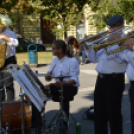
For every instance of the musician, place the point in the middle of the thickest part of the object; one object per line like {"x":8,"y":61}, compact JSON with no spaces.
{"x":71,"y":41}
{"x":12,"y":42}
{"x":67,"y":65}
{"x":128,"y":57}
{"x":110,"y":83}
{"x":130,"y":76}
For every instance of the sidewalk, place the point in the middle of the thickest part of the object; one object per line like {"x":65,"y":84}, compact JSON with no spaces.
{"x":81,"y":103}
{"x":84,"y":99}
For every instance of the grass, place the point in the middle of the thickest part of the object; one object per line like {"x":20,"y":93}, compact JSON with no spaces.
{"x":43,"y":58}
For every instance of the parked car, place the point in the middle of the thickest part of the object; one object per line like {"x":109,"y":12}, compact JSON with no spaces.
{"x":23,"y":44}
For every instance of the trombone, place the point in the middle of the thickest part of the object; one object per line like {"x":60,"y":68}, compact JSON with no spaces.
{"x":90,"y":38}
{"x":103,"y":41}
{"x":106,"y":45}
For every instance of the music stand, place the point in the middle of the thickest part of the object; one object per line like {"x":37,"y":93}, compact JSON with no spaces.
{"x":31,"y":85}
{"x":61,"y":115}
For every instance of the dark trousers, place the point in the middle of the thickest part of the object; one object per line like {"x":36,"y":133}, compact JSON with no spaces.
{"x":107,"y":104}
{"x":10,"y":88}
{"x":67,"y":91}
{"x":36,"y":117}
{"x":131,"y":96}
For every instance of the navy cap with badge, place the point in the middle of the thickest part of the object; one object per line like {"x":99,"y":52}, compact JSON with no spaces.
{"x":115,"y":19}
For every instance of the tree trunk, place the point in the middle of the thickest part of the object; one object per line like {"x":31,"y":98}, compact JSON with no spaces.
{"x":65,"y":32}
{"x":0,"y":2}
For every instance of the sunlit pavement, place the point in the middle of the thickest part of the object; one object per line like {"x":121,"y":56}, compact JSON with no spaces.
{"x":83,"y":100}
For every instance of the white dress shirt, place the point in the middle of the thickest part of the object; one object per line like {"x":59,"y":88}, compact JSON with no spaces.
{"x":130,"y":72}
{"x":127,"y":56}
{"x":106,"y":65}
{"x":11,"y":47}
{"x":68,"y":66}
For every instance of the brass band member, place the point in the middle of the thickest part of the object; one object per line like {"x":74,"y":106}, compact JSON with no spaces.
{"x":130,"y":76}
{"x":110,"y":84}
{"x":128,"y":57}
{"x":12,"y":42}
{"x":69,"y":66}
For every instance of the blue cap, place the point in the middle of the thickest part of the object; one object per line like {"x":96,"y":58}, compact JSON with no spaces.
{"x":115,"y":19}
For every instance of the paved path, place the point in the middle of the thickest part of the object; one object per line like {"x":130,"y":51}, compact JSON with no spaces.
{"x":84,"y":99}
{"x":81,"y":103}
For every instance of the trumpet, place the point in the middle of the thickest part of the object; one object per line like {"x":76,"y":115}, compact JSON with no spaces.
{"x":106,"y":45}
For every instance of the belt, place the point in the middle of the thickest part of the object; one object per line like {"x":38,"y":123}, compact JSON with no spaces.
{"x":110,"y":75}
{"x":132,"y":83}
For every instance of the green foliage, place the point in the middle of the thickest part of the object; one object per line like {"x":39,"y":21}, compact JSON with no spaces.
{"x":104,"y":9}
{"x":16,"y":10}
{"x":7,"y":5}
{"x":61,"y":12}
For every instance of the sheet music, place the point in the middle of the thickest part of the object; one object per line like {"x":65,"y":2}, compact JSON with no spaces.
{"x":29,"y":86}
{"x":34,"y":76}
{"x":35,"y":85}
{"x":32,"y":91}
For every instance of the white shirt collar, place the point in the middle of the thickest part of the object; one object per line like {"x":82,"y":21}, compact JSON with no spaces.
{"x":61,"y":60}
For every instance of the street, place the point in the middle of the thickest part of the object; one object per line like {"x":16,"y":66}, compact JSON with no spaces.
{"x":83,"y":100}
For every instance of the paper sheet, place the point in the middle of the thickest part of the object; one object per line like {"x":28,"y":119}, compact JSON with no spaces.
{"x":32,"y":90}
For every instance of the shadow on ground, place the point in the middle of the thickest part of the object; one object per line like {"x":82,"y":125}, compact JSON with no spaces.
{"x":41,"y":65}
{"x":82,"y":101}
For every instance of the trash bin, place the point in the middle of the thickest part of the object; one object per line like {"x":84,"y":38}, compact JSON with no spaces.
{"x":32,"y":55}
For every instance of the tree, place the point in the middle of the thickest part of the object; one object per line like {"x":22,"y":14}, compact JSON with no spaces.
{"x":104,"y":9}
{"x":16,"y":10}
{"x":61,"y":12}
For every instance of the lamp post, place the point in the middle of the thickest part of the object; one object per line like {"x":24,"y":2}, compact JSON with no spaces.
{"x":59,"y":27}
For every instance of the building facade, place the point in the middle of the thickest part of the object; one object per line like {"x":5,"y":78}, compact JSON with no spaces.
{"x":39,"y":30}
